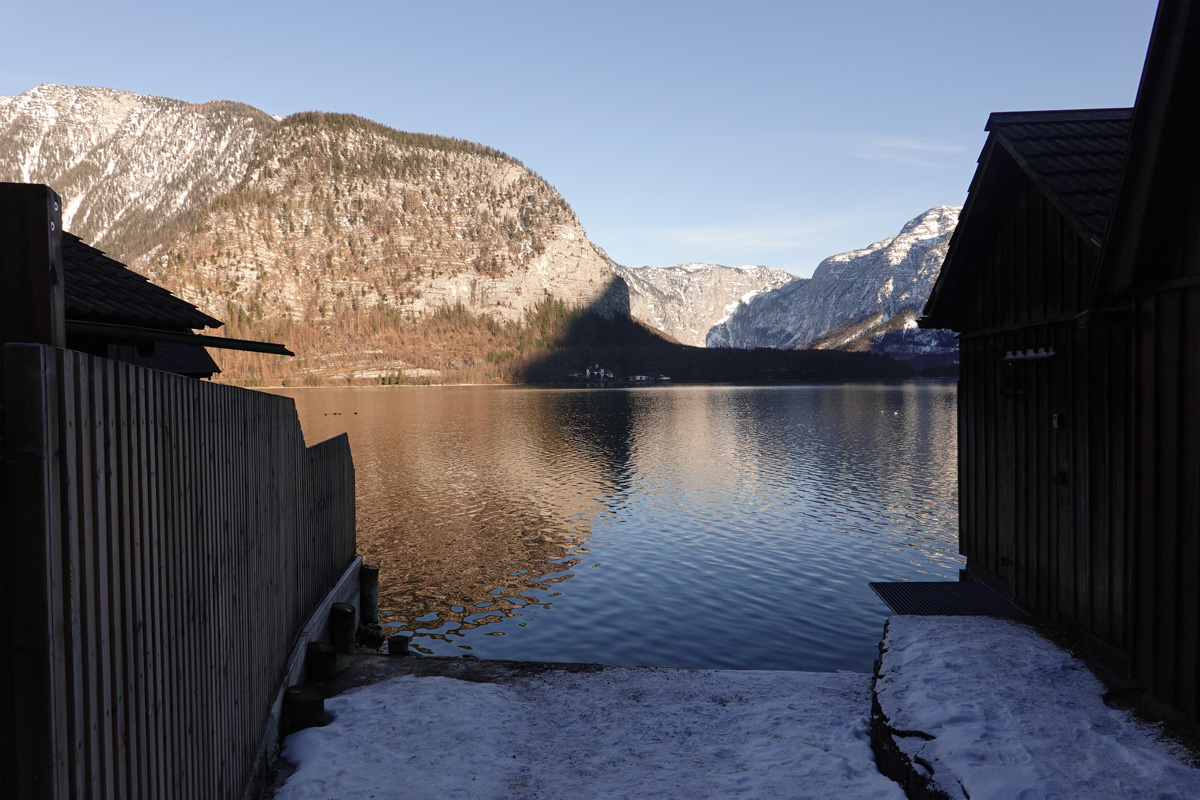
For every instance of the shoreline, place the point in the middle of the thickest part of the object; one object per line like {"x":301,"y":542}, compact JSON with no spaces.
{"x":611,"y":385}
{"x":958,"y":707}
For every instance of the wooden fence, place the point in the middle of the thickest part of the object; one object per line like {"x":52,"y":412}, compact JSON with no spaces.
{"x":164,"y":540}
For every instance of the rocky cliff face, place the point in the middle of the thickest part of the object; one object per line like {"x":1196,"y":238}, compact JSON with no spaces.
{"x":686,"y":301}
{"x":337,"y":215}
{"x":851,"y":297}
{"x":341,"y":238}
{"x":126,"y":165}
{"x":314,"y":228}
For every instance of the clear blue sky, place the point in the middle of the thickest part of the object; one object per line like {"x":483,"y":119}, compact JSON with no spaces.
{"x":738,"y":133}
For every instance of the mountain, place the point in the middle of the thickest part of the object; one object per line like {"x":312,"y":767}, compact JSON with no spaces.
{"x":323,"y":231}
{"x":852,"y":297}
{"x":125,"y":165}
{"x":686,"y":301}
{"x":380,"y":255}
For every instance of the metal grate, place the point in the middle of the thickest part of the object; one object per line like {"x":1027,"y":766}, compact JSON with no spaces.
{"x":945,"y":598}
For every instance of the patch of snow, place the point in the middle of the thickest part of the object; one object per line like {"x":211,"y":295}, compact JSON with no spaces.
{"x":645,"y":733}
{"x":69,"y":209}
{"x":1012,"y":715}
{"x":30,"y":160}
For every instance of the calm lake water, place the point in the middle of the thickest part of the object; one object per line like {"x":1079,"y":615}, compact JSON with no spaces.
{"x":715,"y":526}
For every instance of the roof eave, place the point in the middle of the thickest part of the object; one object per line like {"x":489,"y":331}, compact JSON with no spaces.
{"x":1175,"y":29}
{"x":134,"y":334}
{"x":939,"y":312}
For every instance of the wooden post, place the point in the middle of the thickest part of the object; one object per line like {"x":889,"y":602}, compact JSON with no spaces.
{"x":368,"y":587}
{"x":342,"y":627}
{"x":303,"y":707}
{"x":320,"y":662}
{"x":398,"y":644}
{"x":31,"y":269}
{"x":33,"y":685}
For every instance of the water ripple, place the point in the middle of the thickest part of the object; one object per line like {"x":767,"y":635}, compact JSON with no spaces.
{"x":720,"y":527}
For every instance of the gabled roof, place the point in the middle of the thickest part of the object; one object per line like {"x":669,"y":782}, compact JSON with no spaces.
{"x":100,"y":289}
{"x":1074,"y":157}
{"x":1162,"y":148}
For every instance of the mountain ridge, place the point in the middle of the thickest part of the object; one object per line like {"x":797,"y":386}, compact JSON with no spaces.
{"x":685,"y":301}
{"x":888,"y":279}
{"x":367,"y":250}
{"x":324,"y":231}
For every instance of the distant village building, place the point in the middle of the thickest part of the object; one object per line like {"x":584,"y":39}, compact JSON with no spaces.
{"x":598,"y":373}
{"x":1073,"y":279}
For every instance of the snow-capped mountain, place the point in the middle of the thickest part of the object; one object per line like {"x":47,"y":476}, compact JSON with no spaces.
{"x":126,"y":165}
{"x":296,"y":218}
{"x":687,"y":300}
{"x":328,"y":232}
{"x":852,"y":297}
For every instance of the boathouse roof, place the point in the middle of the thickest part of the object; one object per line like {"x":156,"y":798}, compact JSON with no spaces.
{"x":1073,"y":157}
{"x":113,"y":311}
{"x":98,"y":288}
{"x":1150,"y":240}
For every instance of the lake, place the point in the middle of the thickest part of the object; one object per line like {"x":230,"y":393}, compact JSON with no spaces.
{"x":682,"y":526}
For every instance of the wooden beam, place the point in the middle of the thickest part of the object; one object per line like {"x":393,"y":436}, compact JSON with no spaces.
{"x":136,"y":335}
{"x":31,"y":270}
{"x":31,"y":642}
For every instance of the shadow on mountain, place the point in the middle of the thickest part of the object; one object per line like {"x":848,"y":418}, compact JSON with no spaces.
{"x":604,"y":336}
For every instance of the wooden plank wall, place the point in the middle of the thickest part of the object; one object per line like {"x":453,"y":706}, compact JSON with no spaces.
{"x":186,"y":536}
{"x":1032,"y":267}
{"x":1044,"y":479}
{"x":1044,"y":506}
{"x":1168,"y":496}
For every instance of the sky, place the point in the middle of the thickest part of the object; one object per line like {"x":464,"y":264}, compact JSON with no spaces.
{"x":773,"y":133}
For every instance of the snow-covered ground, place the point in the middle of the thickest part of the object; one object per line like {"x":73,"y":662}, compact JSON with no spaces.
{"x":983,"y":708}
{"x":618,"y":733}
{"x":1011,"y":715}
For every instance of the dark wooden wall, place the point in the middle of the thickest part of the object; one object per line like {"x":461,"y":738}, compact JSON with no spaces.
{"x":1031,"y":264}
{"x":165,"y":539}
{"x":1168,"y":495}
{"x":1044,"y":490}
{"x":1044,"y":442}
{"x":1097,"y":521}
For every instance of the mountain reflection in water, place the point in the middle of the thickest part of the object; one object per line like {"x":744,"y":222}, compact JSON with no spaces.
{"x":720,"y":527}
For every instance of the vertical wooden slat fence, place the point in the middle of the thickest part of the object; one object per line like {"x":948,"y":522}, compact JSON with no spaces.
{"x":165,"y":540}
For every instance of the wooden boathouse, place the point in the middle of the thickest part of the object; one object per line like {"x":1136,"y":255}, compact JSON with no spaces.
{"x":166,"y":540}
{"x":1073,"y":280}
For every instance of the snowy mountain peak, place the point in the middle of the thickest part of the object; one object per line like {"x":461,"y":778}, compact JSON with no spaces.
{"x":310,"y":224}
{"x":120,"y":160}
{"x":933,"y":224}
{"x":851,"y":293}
{"x":685,"y":301}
